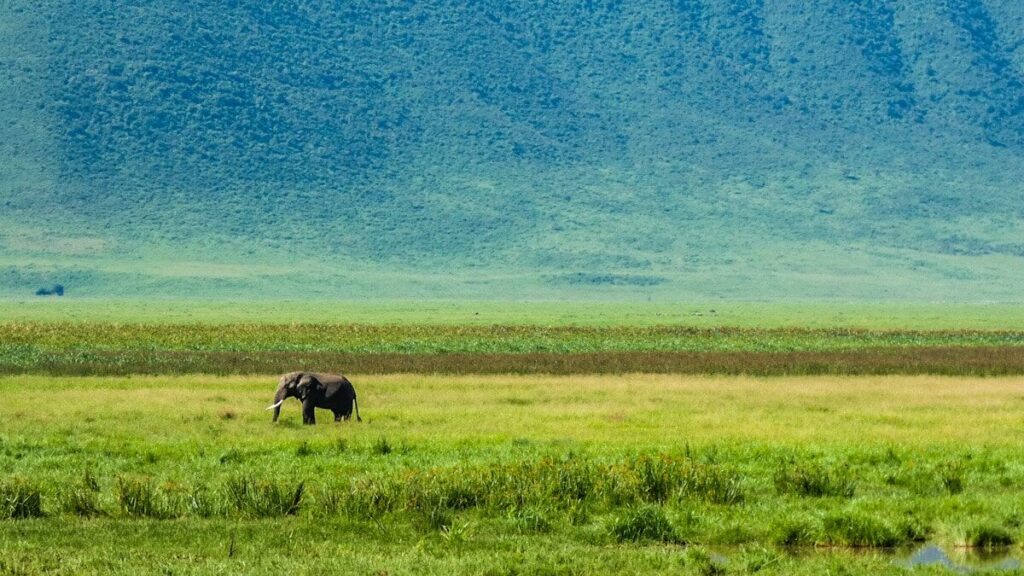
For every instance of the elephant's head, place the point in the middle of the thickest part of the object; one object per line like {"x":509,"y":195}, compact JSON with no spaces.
{"x":287,"y":387}
{"x":307,"y":386}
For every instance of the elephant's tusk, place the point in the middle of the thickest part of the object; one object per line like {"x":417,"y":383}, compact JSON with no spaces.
{"x":272,"y":406}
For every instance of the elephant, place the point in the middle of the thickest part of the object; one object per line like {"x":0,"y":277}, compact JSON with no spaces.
{"x":316,"y":390}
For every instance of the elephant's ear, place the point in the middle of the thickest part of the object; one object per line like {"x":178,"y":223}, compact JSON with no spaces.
{"x":310,"y":381}
{"x":290,"y":380}
{"x":307,"y":385}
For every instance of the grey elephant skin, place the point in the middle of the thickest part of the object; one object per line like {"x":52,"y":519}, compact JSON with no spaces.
{"x":317,"y":390}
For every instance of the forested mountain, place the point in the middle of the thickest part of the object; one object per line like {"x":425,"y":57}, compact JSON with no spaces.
{"x":694,"y":148}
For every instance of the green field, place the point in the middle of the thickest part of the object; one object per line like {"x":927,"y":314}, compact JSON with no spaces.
{"x":519,"y":438}
{"x":105,"y":338}
{"x":706,"y":314}
{"x":508,"y":474}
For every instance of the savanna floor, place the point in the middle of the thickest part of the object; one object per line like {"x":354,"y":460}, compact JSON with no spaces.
{"x":509,"y":474}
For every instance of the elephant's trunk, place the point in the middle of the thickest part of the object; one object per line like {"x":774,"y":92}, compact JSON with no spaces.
{"x":279,"y":399}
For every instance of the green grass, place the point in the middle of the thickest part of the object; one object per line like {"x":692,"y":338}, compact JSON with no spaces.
{"x":698,"y":314}
{"x":489,"y":474}
{"x":80,"y":348}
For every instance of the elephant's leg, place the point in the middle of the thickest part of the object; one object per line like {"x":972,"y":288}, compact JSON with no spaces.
{"x":308,"y":412}
{"x":337,"y":416}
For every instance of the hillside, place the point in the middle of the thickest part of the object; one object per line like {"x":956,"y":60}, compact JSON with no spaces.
{"x":689,"y":149}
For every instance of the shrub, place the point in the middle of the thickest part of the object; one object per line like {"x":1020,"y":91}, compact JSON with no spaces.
{"x":19,"y":499}
{"x":643,"y":523}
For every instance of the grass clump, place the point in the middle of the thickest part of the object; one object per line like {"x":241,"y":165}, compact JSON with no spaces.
{"x":699,"y":561}
{"x":792,"y":531}
{"x":20,"y":499}
{"x":263,"y":498}
{"x":82,"y":498}
{"x":814,"y":480}
{"x":371,"y":497}
{"x":199,"y":502}
{"x":529,"y":520}
{"x":81,"y":501}
{"x":656,"y":479}
{"x":952,"y":477}
{"x":989,"y":535}
{"x":140,"y":497}
{"x":641,"y":523}
{"x":858,"y":529}
{"x":382,"y":447}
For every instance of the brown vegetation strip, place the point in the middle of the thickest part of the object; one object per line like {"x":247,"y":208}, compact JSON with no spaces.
{"x":978,"y":361}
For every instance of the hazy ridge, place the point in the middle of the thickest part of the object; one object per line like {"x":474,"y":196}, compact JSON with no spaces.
{"x":739,"y":149}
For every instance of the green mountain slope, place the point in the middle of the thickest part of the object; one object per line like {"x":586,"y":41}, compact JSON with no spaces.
{"x":736,"y":148}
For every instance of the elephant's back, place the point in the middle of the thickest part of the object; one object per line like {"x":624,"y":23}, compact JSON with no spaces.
{"x":337,"y":384}
{"x":328,"y":379}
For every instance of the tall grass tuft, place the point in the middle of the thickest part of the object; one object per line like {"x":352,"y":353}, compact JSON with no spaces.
{"x":795,"y":531}
{"x":989,"y":535}
{"x":529,"y":520}
{"x":371,"y":497}
{"x":82,"y":499}
{"x":858,"y":529}
{"x":140,"y":497}
{"x":656,"y":479}
{"x":199,"y":502}
{"x":19,"y":499}
{"x":951,"y":476}
{"x":815,"y":481}
{"x":645,"y":522}
{"x":700,"y":561}
{"x":264,"y":499}
{"x":382,"y":447}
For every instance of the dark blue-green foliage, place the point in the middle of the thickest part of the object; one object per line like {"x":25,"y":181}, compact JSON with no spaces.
{"x":638,"y":144}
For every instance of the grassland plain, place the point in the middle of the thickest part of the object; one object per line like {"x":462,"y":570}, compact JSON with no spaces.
{"x":897,"y":315}
{"x":116,"y":349}
{"x":508,"y":474}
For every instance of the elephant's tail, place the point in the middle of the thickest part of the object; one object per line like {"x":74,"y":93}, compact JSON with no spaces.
{"x":356,"y":403}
